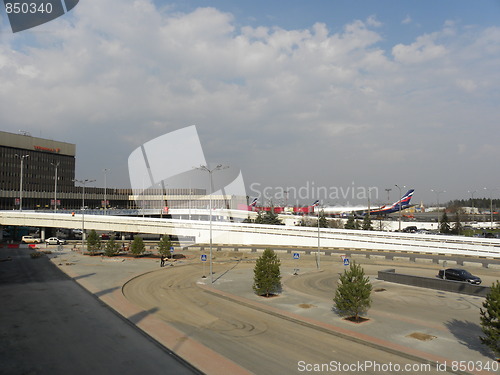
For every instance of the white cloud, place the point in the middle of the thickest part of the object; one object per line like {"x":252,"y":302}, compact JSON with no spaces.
{"x":110,"y":83}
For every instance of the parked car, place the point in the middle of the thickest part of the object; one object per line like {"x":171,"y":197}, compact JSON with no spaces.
{"x":55,"y":241}
{"x":30,"y":239}
{"x":458,"y":274}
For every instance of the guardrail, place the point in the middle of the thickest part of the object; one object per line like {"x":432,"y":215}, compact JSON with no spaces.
{"x":254,"y":234}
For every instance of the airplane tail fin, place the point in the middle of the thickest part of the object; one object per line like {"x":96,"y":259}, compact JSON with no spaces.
{"x":405,"y":199}
{"x":254,"y":202}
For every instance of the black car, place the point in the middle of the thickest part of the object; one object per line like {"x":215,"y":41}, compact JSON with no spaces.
{"x":458,"y":274}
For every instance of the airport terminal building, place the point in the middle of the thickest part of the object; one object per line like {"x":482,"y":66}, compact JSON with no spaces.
{"x":35,"y":162}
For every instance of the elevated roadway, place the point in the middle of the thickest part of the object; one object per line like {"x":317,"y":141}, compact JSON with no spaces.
{"x":227,"y":233}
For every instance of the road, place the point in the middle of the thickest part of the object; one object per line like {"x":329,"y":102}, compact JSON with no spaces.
{"x":51,"y":325}
{"x":258,"y":341}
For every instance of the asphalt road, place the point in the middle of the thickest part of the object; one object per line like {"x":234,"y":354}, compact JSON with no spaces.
{"x":51,"y":325}
{"x":256,"y":340}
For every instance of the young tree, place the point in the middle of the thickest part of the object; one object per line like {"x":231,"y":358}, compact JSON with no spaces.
{"x":350,"y":224}
{"x":267,"y":277}
{"x":352,"y":296}
{"x":93,"y":242}
{"x":445,"y":225}
{"x":164,"y":246}
{"x":323,"y":222}
{"x":457,"y":224}
{"x":490,"y":319}
{"x":111,"y":248}
{"x":137,"y":247}
{"x":367,"y":223}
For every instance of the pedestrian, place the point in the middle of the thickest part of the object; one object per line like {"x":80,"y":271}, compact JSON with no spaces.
{"x":162,"y":261}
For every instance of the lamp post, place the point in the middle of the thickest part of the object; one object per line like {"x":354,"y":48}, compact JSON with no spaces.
{"x":210,"y":172}
{"x":105,"y":170}
{"x":388,"y":190}
{"x":472,"y":201}
{"x":400,"y":193}
{"x":437,"y":199}
{"x":21,"y":180}
{"x":317,"y":252}
{"x":491,"y":206}
{"x":55,"y":186}
{"x":83,"y":182}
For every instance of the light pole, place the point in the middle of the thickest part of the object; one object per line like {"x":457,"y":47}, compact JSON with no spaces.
{"x":105,"y":170}
{"x":83,"y":182}
{"x":388,"y":190}
{"x":210,"y":172}
{"x":400,"y":193}
{"x":55,"y":186}
{"x":21,"y":181}
{"x":491,"y":206}
{"x":472,"y":201}
{"x":437,"y":199}
{"x":317,"y":252}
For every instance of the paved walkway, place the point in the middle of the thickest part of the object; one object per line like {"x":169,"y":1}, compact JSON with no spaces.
{"x":429,"y":325}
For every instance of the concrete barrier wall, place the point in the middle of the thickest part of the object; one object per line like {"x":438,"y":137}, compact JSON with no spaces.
{"x":434,"y":283}
{"x":226,"y":233}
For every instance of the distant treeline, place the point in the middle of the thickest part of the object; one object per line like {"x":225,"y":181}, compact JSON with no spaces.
{"x":477,"y":202}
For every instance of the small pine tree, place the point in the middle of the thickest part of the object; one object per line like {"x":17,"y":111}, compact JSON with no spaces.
{"x":350,"y":224}
{"x":93,"y":242}
{"x":457,"y":225}
{"x":137,"y":247}
{"x":352,"y":296}
{"x":490,"y":319}
{"x":323,"y":222}
{"x":164,"y":246}
{"x":444,"y":227}
{"x":367,"y":223}
{"x":111,"y":248}
{"x":267,"y":277}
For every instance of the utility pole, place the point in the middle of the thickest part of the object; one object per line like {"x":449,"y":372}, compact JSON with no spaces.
{"x":21,"y":181}
{"x":210,"y":172}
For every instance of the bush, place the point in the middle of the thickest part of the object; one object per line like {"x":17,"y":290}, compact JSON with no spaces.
{"x":352,"y":296}
{"x":137,"y":247}
{"x":164,"y":246}
{"x":93,"y":242}
{"x":111,"y":248}
{"x":490,"y":319}
{"x":267,"y":277}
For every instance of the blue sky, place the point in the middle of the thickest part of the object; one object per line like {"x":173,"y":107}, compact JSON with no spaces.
{"x":335,"y":93}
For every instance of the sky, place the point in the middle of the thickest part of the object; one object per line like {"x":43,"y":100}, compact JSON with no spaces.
{"x":342,"y":95}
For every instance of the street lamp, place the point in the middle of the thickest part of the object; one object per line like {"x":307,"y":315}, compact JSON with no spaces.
{"x":400,"y":194}
{"x":210,"y":172}
{"x":55,"y":186}
{"x":105,"y":170}
{"x":83,"y":182}
{"x":472,"y":201}
{"x":437,"y":199}
{"x":21,"y":181}
{"x":317,"y":252}
{"x":491,"y":206}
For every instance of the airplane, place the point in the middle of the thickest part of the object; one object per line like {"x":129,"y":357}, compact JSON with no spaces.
{"x":363,"y":210}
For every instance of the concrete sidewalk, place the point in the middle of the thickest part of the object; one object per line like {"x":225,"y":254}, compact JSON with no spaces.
{"x":430,"y":325}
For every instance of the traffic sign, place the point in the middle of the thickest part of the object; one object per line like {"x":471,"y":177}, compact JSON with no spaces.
{"x":346,"y":261}
{"x":296,"y":255}
{"x":203,"y":257}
